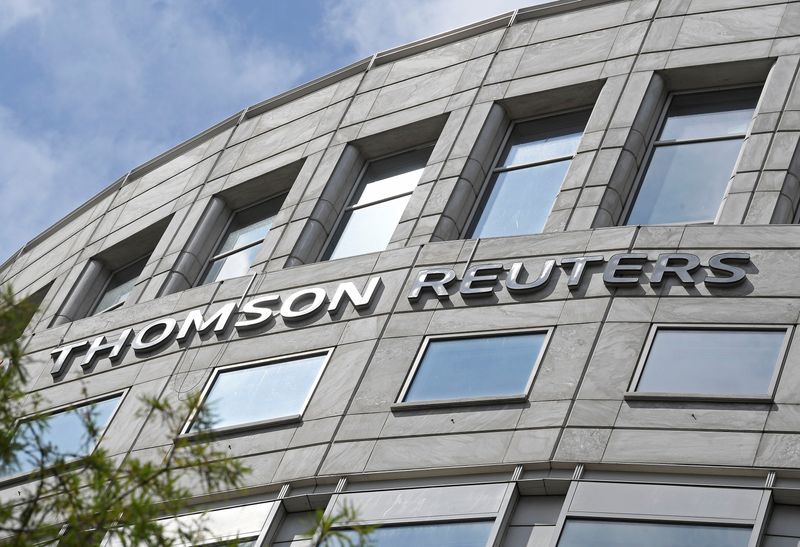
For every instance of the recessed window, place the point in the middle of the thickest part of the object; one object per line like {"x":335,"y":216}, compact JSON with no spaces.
{"x":262,"y":392}
{"x":693,"y":157}
{"x":476,"y":368}
{"x":378,"y":203}
{"x":119,"y":286}
{"x":528,"y":176}
{"x":721,"y":361}
{"x":62,"y":436}
{"x":446,"y":534}
{"x":242,"y":240}
{"x":609,"y":533}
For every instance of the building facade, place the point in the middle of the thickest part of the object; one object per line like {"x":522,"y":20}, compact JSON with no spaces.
{"x":528,"y":283}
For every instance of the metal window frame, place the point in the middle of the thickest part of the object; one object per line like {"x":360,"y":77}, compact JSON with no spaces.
{"x":339,"y":226}
{"x":257,"y":424}
{"x":221,"y":237}
{"x":491,"y":178}
{"x":99,"y":296}
{"x":400,"y":404}
{"x":655,"y":142}
{"x":632,"y":393}
{"x":66,"y":407}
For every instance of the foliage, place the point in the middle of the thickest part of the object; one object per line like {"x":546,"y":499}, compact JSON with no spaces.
{"x":80,"y":498}
{"x":338,"y":530}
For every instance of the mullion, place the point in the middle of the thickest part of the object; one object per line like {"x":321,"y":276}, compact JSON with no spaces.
{"x":376,"y":202}
{"x":236,"y":250}
{"x":505,"y":169}
{"x":699,"y":140}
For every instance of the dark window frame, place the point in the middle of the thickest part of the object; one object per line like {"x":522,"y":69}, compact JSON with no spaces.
{"x":99,"y":297}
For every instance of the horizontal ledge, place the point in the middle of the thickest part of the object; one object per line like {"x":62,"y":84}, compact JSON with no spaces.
{"x":697,"y":397}
{"x":213,"y":434}
{"x":445,"y":403}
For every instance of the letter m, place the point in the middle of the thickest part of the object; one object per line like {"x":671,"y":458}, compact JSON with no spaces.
{"x":195,"y":321}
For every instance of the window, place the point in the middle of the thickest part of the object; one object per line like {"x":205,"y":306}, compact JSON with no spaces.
{"x":242,"y":240}
{"x":477,"y":367}
{"x":446,"y":534}
{"x":62,"y":436}
{"x":608,"y":533}
{"x":272,"y":391}
{"x":712,"y":361}
{"x":119,"y":286}
{"x":528,"y":177}
{"x":378,"y":203}
{"x":693,"y":157}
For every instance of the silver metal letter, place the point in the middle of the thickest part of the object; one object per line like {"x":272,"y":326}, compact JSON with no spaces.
{"x":100,"y":345}
{"x":683,"y":271}
{"x":359,"y":301}
{"x":578,"y":267}
{"x":195,"y":319}
{"x":62,"y":355}
{"x":513,"y":284}
{"x":141,"y":343}
{"x":720,"y":263}
{"x":438,"y":285}
{"x":472,"y":275}
{"x":254,"y":307}
{"x":319,"y":298}
{"x":615,"y":267}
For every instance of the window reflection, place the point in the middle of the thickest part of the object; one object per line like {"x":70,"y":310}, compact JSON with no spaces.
{"x":606,"y":533}
{"x":529,"y":175}
{"x":493,"y":366}
{"x":693,"y":157}
{"x":119,"y":286}
{"x":450,"y":534}
{"x":712,"y":361}
{"x":378,"y":204}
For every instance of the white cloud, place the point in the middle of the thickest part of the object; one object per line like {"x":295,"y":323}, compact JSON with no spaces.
{"x":104,"y":86}
{"x":368,"y":27}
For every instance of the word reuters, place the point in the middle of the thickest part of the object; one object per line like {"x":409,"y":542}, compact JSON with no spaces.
{"x":624,"y":269}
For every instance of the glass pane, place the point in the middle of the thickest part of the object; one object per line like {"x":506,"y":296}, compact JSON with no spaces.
{"x":476,"y":367}
{"x":546,"y":139}
{"x":711,"y":361}
{"x":250,"y":225}
{"x":451,"y":534}
{"x":392,"y":176}
{"x":369,"y":229}
{"x":234,"y":265}
{"x":253,"y":394}
{"x":603,"y":533}
{"x":64,"y":435}
{"x":120,"y":285}
{"x":520,"y":200}
{"x":704,"y":115}
{"x":685,"y":183}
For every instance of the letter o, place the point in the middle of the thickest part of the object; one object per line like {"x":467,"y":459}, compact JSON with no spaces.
{"x":319,"y":299}
{"x":168,"y":325}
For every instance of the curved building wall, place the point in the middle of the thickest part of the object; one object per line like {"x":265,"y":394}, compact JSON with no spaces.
{"x":577,"y":445}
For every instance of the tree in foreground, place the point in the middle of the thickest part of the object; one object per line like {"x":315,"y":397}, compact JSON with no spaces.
{"x":83,"y":496}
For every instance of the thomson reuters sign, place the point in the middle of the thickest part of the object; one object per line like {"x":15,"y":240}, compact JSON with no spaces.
{"x":620,"y":270}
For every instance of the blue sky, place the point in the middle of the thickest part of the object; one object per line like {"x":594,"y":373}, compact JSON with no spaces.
{"x":90,"y":89}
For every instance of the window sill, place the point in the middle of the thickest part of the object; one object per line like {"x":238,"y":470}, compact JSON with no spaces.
{"x":449,"y":403}
{"x":212,"y":434}
{"x":697,"y":397}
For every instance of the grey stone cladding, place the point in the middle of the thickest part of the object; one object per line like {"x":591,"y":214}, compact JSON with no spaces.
{"x":577,"y":445}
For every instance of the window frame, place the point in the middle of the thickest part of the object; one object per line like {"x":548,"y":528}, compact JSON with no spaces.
{"x":491,"y":518}
{"x":214,"y":256}
{"x":338,"y":227}
{"x":256,"y":425}
{"x":400,"y":404}
{"x":74,"y":462}
{"x":490,"y":180}
{"x":99,"y":296}
{"x":632,"y":394}
{"x":654,"y":142}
